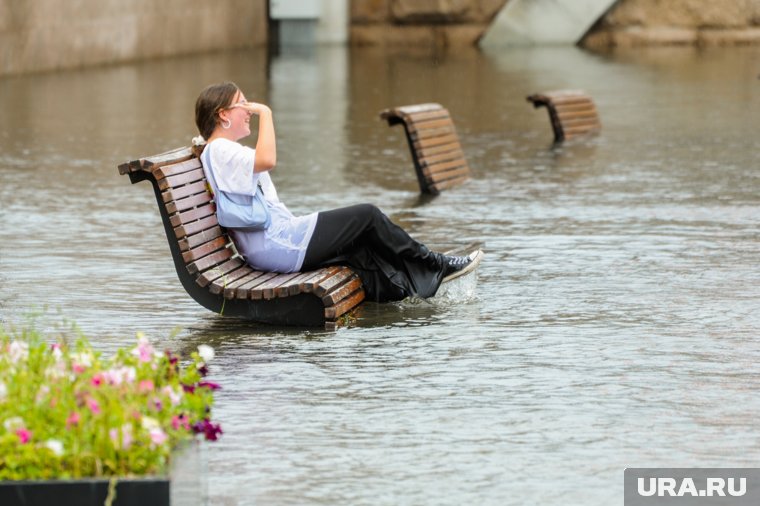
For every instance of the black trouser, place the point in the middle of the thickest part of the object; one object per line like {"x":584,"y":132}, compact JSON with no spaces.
{"x":391,"y":265}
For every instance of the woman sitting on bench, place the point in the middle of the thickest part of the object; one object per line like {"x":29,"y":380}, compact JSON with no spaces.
{"x":391,"y":265}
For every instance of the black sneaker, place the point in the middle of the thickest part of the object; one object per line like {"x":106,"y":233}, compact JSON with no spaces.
{"x":460,"y":265}
{"x":455,"y":264}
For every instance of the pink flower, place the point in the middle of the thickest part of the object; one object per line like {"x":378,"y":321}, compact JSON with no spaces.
{"x":98,"y":379}
{"x":180,"y":421}
{"x":157,"y":404}
{"x":126,"y":437}
{"x":73,"y":419}
{"x":78,"y":368}
{"x":24,"y":435}
{"x":144,"y":350}
{"x":158,"y":436}
{"x":145,"y":386}
{"x":93,"y":405}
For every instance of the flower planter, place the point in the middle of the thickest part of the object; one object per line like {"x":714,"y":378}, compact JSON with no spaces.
{"x":185,"y":485}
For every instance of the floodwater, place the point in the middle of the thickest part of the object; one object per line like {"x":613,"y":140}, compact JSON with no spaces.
{"x":616,"y":316}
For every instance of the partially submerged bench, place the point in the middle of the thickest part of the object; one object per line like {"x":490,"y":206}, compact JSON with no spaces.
{"x":572,"y":113}
{"x":433,"y":141}
{"x":209,"y":267}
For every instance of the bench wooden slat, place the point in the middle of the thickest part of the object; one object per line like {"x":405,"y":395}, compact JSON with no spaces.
{"x":434,"y":124}
{"x":197,"y":200}
{"x":310,"y":285}
{"x":430,"y":159}
{"x":268,"y":289}
{"x":184,"y":191}
{"x":332,"y":282}
{"x":204,"y":249}
{"x":427,"y":116}
{"x":177,"y":206}
{"x":331,"y":313}
{"x":292,"y":286}
{"x":182,"y":179}
{"x":173,"y":156}
{"x":570,"y":118}
{"x":209,"y":261}
{"x":244,"y":291}
{"x":196,"y":226}
{"x":450,"y":147}
{"x":215,"y":273}
{"x":580,"y":122}
{"x":220,"y":284}
{"x":165,"y":171}
{"x":449,"y":175}
{"x":576,"y":107}
{"x":443,"y":166}
{"x":432,"y":133}
{"x":577,"y":132}
{"x":193,"y":241}
{"x":424,"y":144}
{"x":353,"y":284}
{"x":303,"y":284}
{"x":231,"y":289}
{"x":192,"y":215}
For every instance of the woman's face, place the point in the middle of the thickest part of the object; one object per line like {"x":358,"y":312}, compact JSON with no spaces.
{"x":239,"y":117}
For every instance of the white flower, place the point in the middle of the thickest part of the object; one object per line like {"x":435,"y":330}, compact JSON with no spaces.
{"x":13,"y":424}
{"x":3,"y":392}
{"x":42,"y":393}
{"x":198,"y":140}
{"x":150,"y":423}
{"x":175,"y":396}
{"x":206,"y":352}
{"x":83,"y":359}
{"x":118,"y":375}
{"x":18,"y":350}
{"x":57,"y":353}
{"x":55,"y":446}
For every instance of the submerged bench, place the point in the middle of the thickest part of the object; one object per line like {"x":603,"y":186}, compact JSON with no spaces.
{"x":433,"y":141}
{"x":572,"y":113}
{"x":209,"y":267}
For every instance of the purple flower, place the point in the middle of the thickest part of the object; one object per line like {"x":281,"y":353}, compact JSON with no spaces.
{"x":212,"y":431}
{"x":209,"y":384}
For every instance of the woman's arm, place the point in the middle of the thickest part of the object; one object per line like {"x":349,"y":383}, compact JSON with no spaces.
{"x":266,"y":145}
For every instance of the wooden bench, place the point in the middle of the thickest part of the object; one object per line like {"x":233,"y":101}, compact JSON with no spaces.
{"x":433,"y":141}
{"x":209,"y":267}
{"x":572,"y":113}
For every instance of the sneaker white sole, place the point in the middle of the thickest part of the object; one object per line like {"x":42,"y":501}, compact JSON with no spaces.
{"x":475,"y":257}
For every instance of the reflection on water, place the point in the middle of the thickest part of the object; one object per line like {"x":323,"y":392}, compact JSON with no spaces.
{"x":615,"y":316}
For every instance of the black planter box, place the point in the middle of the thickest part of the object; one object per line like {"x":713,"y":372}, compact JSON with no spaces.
{"x":185,"y":486}
{"x":93,"y":492}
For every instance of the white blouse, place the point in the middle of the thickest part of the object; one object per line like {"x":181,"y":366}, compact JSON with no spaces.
{"x":282,"y":246}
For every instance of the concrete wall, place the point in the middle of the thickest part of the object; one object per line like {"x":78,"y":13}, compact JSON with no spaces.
{"x":37,"y":35}
{"x":628,"y":23}
{"x":420,"y":22}
{"x":694,"y":22}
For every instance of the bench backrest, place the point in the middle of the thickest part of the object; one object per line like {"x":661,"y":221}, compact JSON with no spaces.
{"x":437,"y":154}
{"x":572,"y":113}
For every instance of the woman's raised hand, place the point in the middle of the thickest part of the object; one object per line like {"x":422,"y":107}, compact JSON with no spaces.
{"x":254,"y":107}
